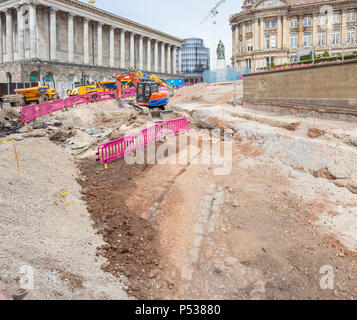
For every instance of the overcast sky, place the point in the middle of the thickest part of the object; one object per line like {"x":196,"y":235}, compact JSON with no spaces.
{"x":180,"y":18}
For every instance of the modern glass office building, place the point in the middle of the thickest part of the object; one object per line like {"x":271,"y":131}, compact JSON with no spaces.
{"x":195,"y":58}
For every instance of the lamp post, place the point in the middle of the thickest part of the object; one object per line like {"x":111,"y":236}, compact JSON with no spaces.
{"x":234,"y":73}
{"x":343,"y":49}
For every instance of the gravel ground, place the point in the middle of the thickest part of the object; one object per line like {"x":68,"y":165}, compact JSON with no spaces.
{"x":46,"y":231}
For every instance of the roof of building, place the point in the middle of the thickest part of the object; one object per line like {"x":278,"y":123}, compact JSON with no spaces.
{"x":292,"y":2}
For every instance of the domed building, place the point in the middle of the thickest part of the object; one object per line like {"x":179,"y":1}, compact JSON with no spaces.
{"x":280,"y":31}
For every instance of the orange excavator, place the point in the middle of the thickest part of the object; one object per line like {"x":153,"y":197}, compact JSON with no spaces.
{"x":147,"y":92}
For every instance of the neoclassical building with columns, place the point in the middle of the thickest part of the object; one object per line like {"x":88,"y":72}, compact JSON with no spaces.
{"x":61,"y":39}
{"x":276,"y":30}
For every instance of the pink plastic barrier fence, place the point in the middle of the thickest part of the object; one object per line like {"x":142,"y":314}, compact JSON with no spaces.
{"x":29,"y":113}
{"x":112,"y":150}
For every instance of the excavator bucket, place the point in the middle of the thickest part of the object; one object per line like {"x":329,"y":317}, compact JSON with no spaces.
{"x":160,"y":115}
{"x":156,"y":115}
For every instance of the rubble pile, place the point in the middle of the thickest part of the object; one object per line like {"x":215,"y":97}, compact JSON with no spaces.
{"x":10,"y":121}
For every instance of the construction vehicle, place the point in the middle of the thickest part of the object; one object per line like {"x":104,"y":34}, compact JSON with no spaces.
{"x":127,"y":80}
{"x":153,"y":77}
{"x":31,"y":95}
{"x":99,"y":86}
{"x":148,"y":97}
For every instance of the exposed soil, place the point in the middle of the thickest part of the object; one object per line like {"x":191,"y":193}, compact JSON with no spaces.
{"x":186,"y":233}
{"x":315,"y":133}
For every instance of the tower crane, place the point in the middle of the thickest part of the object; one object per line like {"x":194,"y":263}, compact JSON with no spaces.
{"x":212,"y":14}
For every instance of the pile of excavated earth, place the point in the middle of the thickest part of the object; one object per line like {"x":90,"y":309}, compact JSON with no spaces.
{"x":270,"y":213}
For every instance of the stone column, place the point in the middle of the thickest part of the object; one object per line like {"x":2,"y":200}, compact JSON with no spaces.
{"x":237,"y":39}
{"x":256,"y":35}
{"x":156,"y":49}
{"x":262,"y":40}
{"x":132,"y":50}
{"x":53,"y":34}
{"x":180,"y":60}
{"x":141,"y":53}
{"x":148,"y":54}
{"x":344,"y":26}
{"x":33,"y":30}
{"x":100,"y":43}
{"x":279,"y":37}
{"x":286,"y":43}
{"x":168,"y":58}
{"x":1,"y":48}
{"x":244,"y":46}
{"x":315,"y":22}
{"x":9,"y":37}
{"x":163,"y":70}
{"x":301,"y":32}
{"x":233,"y":40}
{"x":20,"y":33}
{"x":111,"y":47}
{"x":174,"y":66}
{"x":86,"y":41}
{"x":70,"y":38}
{"x":122,"y":49}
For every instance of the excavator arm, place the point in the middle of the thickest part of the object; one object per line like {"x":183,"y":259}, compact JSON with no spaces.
{"x":153,"y":77}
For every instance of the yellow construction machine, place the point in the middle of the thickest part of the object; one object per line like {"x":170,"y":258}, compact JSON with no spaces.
{"x":31,"y":95}
{"x":99,"y":86}
{"x":153,"y":77}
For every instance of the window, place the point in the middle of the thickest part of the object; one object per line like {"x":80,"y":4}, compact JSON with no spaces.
{"x":351,"y":35}
{"x":33,"y":76}
{"x":273,"y":24}
{"x":267,"y":42}
{"x":267,"y":24}
{"x":268,"y":60}
{"x":351,"y":16}
{"x":337,"y":18}
{"x":293,"y":41}
{"x":322,"y":21}
{"x":321,"y":38}
{"x":294,"y":23}
{"x":307,"y":21}
{"x":335,"y":36}
{"x":307,"y":39}
{"x":248,"y":64}
{"x":273,"y":41}
{"x":250,"y":44}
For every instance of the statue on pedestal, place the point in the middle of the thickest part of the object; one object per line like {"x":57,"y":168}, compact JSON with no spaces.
{"x":220,"y":51}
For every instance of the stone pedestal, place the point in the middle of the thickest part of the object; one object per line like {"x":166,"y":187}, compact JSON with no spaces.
{"x":221,"y":70}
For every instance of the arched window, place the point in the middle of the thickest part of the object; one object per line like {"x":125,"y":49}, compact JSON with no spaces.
{"x":49,"y":77}
{"x":34,"y":76}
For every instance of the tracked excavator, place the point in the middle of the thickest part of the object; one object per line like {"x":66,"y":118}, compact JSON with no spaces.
{"x":149,"y":99}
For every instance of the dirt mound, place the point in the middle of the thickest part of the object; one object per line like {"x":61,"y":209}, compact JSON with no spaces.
{"x":315,"y":133}
{"x":208,"y":94}
{"x":10,"y":121}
